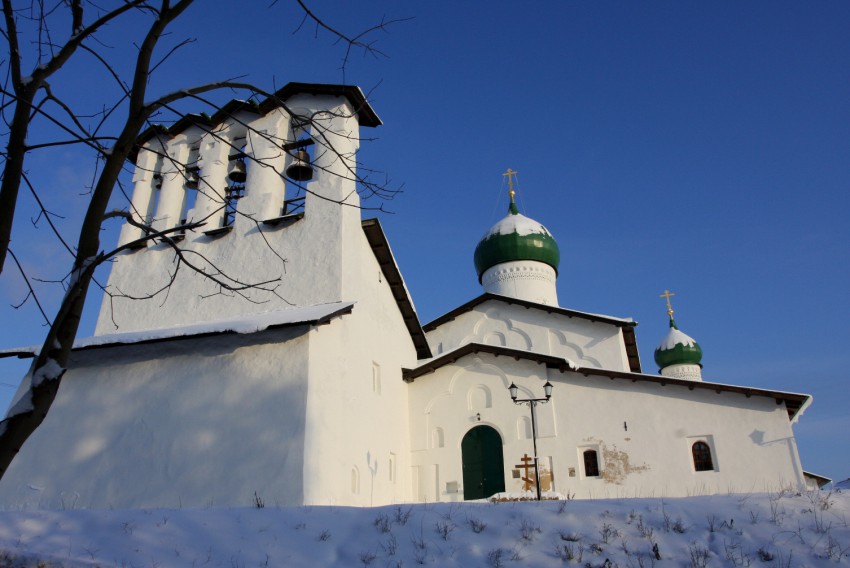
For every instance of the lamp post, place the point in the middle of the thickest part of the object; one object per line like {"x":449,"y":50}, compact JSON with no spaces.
{"x":532,"y":403}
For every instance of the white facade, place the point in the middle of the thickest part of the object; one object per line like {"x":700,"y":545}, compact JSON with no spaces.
{"x":322,"y":387}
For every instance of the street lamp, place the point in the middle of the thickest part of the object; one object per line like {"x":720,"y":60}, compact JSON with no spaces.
{"x":532,"y":403}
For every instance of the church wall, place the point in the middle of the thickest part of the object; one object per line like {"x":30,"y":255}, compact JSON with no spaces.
{"x":587,"y":343}
{"x":446,"y":405}
{"x":642,"y":433}
{"x":357,"y":440}
{"x":301,"y":261}
{"x":189,"y":423}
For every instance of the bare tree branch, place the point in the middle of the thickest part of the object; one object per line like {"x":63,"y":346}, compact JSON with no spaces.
{"x":25,"y":91}
{"x":19,"y":111}
{"x":31,"y":293}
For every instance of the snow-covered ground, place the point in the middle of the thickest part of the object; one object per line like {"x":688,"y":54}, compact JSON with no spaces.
{"x":770,"y":530}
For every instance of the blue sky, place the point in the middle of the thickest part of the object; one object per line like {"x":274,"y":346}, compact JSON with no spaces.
{"x":696,"y":147}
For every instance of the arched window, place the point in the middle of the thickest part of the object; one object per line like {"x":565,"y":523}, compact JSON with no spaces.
{"x":591,"y":463}
{"x":702,"y":457}
{"x":355,"y":480}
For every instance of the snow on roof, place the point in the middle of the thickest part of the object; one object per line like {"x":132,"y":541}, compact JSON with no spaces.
{"x":675,"y":337}
{"x":243,"y":324}
{"x":516,"y":223}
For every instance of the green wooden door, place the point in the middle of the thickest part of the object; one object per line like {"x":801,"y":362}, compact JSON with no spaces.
{"x":483,"y":463}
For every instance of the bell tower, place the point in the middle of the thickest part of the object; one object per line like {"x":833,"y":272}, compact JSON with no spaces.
{"x":252,"y":208}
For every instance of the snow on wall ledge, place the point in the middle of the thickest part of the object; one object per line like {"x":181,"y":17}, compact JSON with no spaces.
{"x":245,"y":324}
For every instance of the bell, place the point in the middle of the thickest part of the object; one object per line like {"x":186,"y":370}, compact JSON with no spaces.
{"x":236,"y":171}
{"x":300,"y":169}
{"x":193,"y":178}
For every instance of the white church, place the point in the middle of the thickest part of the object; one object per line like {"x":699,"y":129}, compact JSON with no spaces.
{"x":322,"y":387}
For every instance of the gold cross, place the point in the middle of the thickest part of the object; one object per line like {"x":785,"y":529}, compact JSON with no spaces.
{"x":666,"y":295}
{"x":510,"y":175}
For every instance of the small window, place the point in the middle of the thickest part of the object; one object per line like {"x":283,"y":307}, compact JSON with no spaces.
{"x":437,"y":438}
{"x":591,"y":463}
{"x":355,"y":481}
{"x":702,"y":457}
{"x":392,"y":468}
{"x":376,"y":378}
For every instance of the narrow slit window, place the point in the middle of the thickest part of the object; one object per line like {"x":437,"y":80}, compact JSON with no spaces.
{"x":355,"y":480}
{"x":376,"y":378}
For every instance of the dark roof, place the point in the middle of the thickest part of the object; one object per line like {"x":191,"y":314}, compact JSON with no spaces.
{"x":794,"y":402}
{"x":819,"y":479}
{"x":365,"y":113}
{"x":384,"y":256}
{"x":626,"y":326}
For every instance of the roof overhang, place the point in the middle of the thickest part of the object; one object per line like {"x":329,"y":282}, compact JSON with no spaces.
{"x":626,"y":325}
{"x":819,"y":479}
{"x":384,"y":255}
{"x":795,"y":403}
{"x":320,"y":314}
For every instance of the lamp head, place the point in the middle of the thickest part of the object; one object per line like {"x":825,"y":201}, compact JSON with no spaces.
{"x":547,"y":388}
{"x":514,"y":390}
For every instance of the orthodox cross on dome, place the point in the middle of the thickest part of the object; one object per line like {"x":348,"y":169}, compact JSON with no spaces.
{"x":510,"y":175}
{"x":667,"y":295}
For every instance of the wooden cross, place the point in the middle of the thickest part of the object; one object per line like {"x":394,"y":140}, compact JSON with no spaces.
{"x":527,"y":464}
{"x":667,"y":295}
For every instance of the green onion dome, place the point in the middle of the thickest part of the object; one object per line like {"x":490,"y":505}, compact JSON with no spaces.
{"x":516,"y":237}
{"x":677,"y":349}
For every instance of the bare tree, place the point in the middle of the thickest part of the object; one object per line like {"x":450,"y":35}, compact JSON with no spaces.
{"x":29,"y":99}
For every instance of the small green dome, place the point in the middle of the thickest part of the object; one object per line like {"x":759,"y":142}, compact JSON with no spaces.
{"x":516,"y":237}
{"x":677,"y":349}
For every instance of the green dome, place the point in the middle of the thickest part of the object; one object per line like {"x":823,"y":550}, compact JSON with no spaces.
{"x":677,"y":349}
{"x":516,"y":237}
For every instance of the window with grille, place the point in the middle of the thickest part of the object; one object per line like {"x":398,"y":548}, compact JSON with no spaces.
{"x":702,"y":457}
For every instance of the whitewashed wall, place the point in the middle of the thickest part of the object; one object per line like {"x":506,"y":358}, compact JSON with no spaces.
{"x":751,"y":438}
{"x":586,"y":343}
{"x":357,"y":401}
{"x":189,"y":423}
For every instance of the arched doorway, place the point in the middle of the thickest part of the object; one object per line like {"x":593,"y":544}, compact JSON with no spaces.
{"x":483,"y":463}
